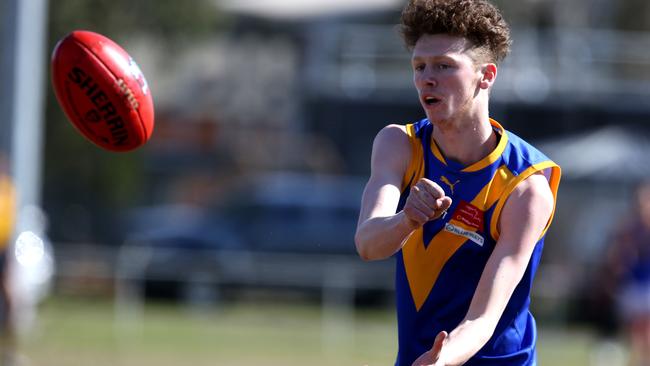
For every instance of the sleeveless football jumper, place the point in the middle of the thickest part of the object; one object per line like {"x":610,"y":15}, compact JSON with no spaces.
{"x":439,"y":267}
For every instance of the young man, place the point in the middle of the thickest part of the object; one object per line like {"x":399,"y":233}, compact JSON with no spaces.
{"x":461,"y":203}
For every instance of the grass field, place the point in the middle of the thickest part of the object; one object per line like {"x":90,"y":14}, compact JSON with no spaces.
{"x":73,"y":332}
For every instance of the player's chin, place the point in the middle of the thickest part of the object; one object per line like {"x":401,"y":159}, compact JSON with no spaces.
{"x":435,"y":112}
{"x":436,"y":117}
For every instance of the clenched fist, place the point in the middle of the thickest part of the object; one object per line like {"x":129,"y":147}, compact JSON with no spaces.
{"x":426,"y":202}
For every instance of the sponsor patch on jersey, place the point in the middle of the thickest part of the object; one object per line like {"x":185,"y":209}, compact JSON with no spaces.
{"x":469,"y":215}
{"x":475,"y":237}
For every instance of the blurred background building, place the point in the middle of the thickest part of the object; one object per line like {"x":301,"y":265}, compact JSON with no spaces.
{"x":265,"y":115}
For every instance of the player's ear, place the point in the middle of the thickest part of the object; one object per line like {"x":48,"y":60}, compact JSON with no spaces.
{"x":488,"y":75}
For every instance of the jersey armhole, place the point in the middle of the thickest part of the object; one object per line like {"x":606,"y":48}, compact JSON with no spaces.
{"x":552,"y":173}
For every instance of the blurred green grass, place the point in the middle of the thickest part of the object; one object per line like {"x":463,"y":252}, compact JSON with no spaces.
{"x":81,"y":332}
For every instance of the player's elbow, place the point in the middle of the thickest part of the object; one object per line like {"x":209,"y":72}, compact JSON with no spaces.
{"x":365,"y":256}
{"x":362,"y":246}
{"x":362,"y":249}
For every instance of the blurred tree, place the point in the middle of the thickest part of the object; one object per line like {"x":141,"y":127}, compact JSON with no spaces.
{"x":634,"y":15}
{"x":85,"y":188}
{"x":168,"y":19}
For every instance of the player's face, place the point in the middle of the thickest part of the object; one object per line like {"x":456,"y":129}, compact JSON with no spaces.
{"x":445,"y":76}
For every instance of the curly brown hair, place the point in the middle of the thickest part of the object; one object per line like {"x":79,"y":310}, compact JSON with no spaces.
{"x":478,"y":21}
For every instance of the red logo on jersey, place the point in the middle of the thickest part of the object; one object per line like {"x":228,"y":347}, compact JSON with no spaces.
{"x":469,"y":215}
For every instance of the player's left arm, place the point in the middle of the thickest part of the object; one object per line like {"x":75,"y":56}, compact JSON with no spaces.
{"x":524,"y":217}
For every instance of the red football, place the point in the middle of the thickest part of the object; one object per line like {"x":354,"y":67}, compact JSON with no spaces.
{"x":102,"y":91}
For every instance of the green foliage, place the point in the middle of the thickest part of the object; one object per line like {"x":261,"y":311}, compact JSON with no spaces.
{"x":168,"y":19}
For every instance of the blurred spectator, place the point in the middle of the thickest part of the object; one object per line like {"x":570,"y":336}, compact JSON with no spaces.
{"x":626,"y":276}
{"x":7,"y":213}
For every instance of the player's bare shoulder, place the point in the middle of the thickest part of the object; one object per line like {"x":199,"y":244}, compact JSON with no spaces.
{"x":536,"y":192}
{"x":392,"y":135}
{"x":531,"y":202}
{"x":392,"y":147}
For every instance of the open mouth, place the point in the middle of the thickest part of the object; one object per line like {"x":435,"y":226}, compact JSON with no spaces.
{"x":431,"y":100}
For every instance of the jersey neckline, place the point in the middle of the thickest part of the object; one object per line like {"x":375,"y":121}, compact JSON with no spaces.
{"x":483,"y":163}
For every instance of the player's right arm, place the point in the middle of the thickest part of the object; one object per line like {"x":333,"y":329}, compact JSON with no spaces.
{"x":380,"y":230}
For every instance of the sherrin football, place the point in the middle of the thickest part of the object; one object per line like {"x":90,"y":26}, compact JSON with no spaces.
{"x":102,"y":91}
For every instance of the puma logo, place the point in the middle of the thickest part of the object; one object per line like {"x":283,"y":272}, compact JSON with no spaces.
{"x":451,"y":185}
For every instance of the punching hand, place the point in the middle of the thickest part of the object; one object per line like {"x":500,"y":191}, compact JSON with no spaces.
{"x":426,"y":202}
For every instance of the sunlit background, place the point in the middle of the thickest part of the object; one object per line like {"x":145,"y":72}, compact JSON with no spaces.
{"x":228,"y":238}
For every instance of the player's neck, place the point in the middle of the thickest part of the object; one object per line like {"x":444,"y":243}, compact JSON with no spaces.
{"x":465,"y":141}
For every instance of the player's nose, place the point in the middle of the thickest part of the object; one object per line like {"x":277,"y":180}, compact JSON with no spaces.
{"x":428,"y":78}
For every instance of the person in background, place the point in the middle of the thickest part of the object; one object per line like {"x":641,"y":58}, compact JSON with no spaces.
{"x":7,"y":219}
{"x":627,"y":276}
{"x":460,"y":202}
